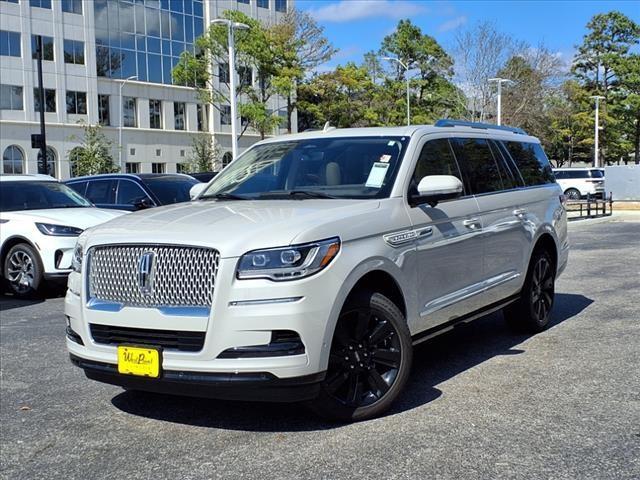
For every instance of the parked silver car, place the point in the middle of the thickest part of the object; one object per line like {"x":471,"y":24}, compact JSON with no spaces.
{"x":309,"y":268}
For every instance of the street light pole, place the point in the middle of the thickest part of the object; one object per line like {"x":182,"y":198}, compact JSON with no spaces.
{"x":121,"y":121}
{"x":231,"y":26}
{"x":500,"y":81}
{"x":596,"y":159}
{"x":406,"y":69}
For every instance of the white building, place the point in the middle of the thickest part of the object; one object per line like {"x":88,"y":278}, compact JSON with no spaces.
{"x":90,"y":47}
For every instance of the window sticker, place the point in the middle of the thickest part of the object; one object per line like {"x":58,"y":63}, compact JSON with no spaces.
{"x":377,"y":174}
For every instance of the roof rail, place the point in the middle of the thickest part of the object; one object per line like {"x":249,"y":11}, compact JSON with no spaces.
{"x":484,"y":126}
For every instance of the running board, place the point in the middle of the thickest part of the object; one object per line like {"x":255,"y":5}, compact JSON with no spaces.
{"x":445,"y":327}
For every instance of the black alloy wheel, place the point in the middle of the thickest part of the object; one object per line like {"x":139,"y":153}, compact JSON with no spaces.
{"x":369,"y":360}
{"x":542,"y":289}
{"x":572,"y":194}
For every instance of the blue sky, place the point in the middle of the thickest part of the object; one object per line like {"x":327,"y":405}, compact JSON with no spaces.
{"x":357,"y":26}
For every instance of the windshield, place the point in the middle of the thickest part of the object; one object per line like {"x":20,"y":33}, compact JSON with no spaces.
{"x":26,"y":195}
{"x":350,"y":167}
{"x":170,"y":189}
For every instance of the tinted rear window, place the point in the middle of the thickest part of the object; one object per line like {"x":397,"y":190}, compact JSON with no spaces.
{"x":483,"y":172}
{"x":170,"y":189}
{"x":531,"y":161}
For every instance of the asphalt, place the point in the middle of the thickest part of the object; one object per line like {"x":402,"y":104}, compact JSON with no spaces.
{"x":482,"y":402}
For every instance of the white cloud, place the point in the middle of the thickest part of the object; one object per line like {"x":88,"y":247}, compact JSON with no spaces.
{"x":350,"y":10}
{"x":452,"y":24}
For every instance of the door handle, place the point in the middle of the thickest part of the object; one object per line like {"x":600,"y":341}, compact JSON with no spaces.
{"x":472,"y":223}
{"x":519,"y":212}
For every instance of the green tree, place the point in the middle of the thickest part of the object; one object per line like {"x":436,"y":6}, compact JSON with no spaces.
{"x":93,"y":155}
{"x":204,"y":155}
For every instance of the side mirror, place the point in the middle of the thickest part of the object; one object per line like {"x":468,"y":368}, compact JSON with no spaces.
{"x":196,"y":190}
{"x":434,"y":188}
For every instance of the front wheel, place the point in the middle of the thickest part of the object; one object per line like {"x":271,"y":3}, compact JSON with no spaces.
{"x":532,"y":311}
{"x":370,"y":360}
{"x":23,"y":270}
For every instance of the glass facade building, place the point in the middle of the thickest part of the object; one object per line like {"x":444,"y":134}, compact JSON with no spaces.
{"x":145,"y":38}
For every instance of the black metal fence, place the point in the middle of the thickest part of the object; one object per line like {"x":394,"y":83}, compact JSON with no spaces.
{"x":591,"y":207}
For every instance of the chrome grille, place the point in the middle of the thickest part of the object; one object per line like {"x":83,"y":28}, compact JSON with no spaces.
{"x":182,"y":276}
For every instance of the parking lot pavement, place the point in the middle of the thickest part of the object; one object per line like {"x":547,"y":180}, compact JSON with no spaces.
{"x":481,"y":403}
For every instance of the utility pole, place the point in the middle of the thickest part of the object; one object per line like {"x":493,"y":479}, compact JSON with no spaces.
{"x":406,"y":67}
{"x":231,"y":27}
{"x":500,"y":81}
{"x":42,"y":165}
{"x":596,"y":159}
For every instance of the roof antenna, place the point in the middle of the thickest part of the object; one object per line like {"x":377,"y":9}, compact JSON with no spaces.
{"x":327,"y":128}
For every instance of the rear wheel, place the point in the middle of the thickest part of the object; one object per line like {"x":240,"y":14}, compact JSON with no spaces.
{"x":370,"y":360}
{"x":572,"y":194}
{"x":532,"y":311}
{"x":23,"y":270}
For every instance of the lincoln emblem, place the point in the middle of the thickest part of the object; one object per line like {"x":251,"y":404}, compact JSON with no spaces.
{"x":145,"y":273}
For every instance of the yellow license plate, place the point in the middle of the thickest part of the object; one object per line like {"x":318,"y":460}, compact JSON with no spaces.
{"x":144,"y":362}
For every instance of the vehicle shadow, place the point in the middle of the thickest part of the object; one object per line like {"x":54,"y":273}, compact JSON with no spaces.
{"x":9,"y":302}
{"x":435,"y":361}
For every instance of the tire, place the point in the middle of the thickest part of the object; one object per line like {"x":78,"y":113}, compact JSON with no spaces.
{"x":532,"y":312}
{"x":572,"y":194}
{"x":23,"y":271}
{"x":370,"y":360}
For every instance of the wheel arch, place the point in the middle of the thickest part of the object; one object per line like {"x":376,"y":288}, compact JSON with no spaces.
{"x":8,"y":244}
{"x":546,"y":241}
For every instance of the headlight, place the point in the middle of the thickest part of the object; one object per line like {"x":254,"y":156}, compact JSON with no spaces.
{"x":76,"y":259}
{"x":58,"y":230}
{"x":288,"y":263}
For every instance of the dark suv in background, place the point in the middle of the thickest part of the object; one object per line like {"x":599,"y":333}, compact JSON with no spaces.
{"x":134,"y":191}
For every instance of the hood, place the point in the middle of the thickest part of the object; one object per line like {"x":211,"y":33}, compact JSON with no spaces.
{"x":82,"y":217}
{"x":232,"y":227}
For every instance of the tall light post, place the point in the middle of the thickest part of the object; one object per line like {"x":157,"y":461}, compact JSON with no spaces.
{"x":231,"y":27}
{"x":596,"y":159}
{"x":121,"y":120}
{"x":406,"y":67}
{"x":500,"y":81}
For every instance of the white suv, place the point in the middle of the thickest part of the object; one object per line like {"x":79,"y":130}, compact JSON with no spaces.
{"x":40,"y":220}
{"x":309,"y":267}
{"x":580,"y":182}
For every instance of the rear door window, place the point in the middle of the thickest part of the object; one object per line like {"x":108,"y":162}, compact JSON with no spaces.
{"x":436,"y":158}
{"x":531,"y":161}
{"x":479,"y":167}
{"x":101,"y":191}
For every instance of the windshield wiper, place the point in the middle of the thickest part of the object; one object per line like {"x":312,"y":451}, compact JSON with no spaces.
{"x":309,"y":194}
{"x":223,"y":196}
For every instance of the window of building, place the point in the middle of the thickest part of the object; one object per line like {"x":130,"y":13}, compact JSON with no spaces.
{"x":179,"y":110}
{"x":10,"y":43}
{"x":281,"y":5}
{"x":182,"y":168}
{"x":155,"y":114}
{"x":263,"y":3}
{"x":245,"y":75}
{"x":13,"y":160}
{"x":223,"y":72}
{"x":225,"y":115}
{"x":9,"y":1}
{"x":77,"y":103}
{"x":132,"y":167}
{"x":11,"y":97}
{"x":531,"y":161}
{"x":48,"y":167}
{"x":49,"y":100}
{"x":129,"y":116}
{"x":103,"y":110}
{"x":72,"y":6}
{"x":436,"y":158}
{"x":40,"y":3}
{"x":244,"y":1}
{"x":47,"y":48}
{"x":74,"y":52}
{"x":158,"y":167}
{"x":202,"y":112}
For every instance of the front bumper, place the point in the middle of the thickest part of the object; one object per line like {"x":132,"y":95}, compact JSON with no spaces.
{"x":250,"y":386}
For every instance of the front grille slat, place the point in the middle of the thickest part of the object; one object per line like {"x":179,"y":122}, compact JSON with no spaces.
{"x":183,"y":276}
{"x":175,"y":340}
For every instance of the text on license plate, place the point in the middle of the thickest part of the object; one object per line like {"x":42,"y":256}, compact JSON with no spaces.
{"x":144,"y":362}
